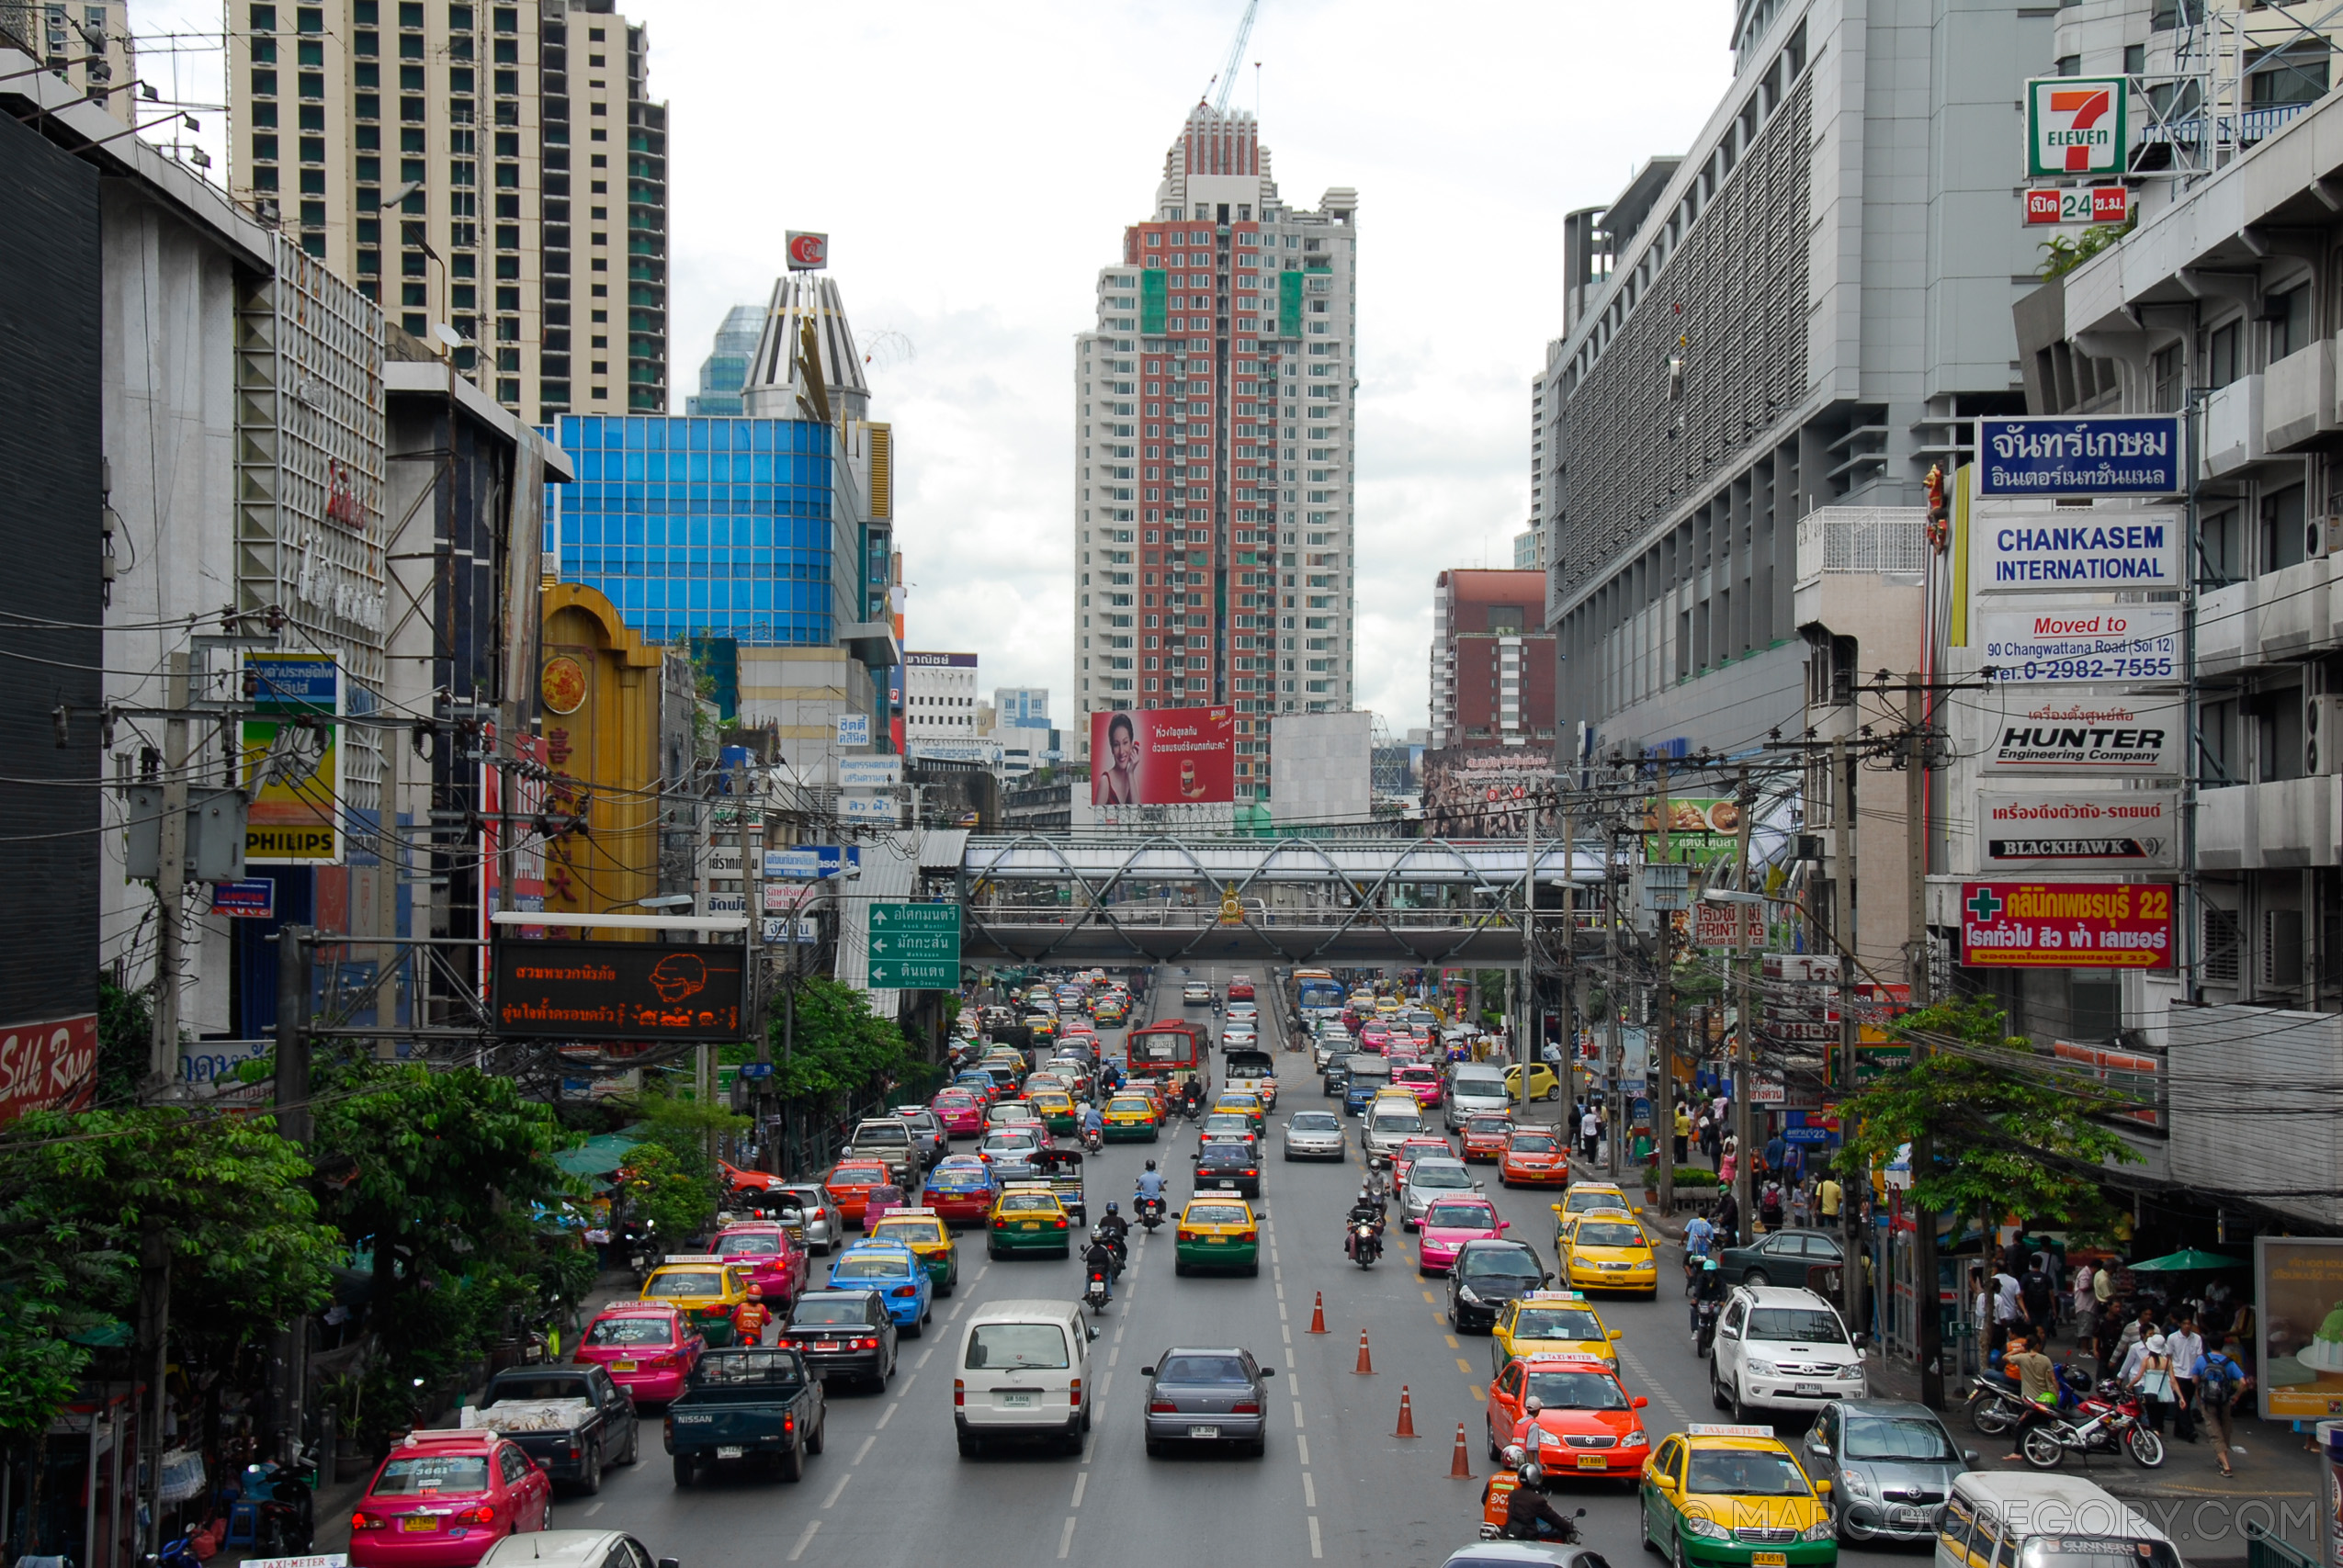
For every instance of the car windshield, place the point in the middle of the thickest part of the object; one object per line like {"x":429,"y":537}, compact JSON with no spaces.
{"x":821,"y":1312}
{"x":1603,"y":1233}
{"x":1746,"y":1472}
{"x":1130,"y":1102}
{"x":1426,"y":1174}
{"x":408,"y":1476}
{"x":770,"y":1366}
{"x":687,"y":1283}
{"x":1227,"y":1122}
{"x":1883,"y":1437}
{"x":1557,"y":1323}
{"x":1533,"y":1144}
{"x":751,"y":1245}
{"x":913,"y":1231}
{"x":1315,"y":1121}
{"x":2097,"y":1552}
{"x":1002,"y":1140}
{"x":1577,"y":1391}
{"x":1461,"y":1216}
{"x":867,"y":1269}
{"x":1037,"y":1345}
{"x":1227,"y":1154}
{"x":1496,"y":1262}
{"x":631,"y":1331}
{"x":1394,"y":1121}
{"x":1203,"y":1369}
{"x":858,"y":1175}
{"x":1029,"y":1203}
{"x":1582,"y":1202}
{"x":1488,"y":1127}
{"x":883,"y":1132}
{"x":1214,"y":1214}
{"x":1807,"y":1325}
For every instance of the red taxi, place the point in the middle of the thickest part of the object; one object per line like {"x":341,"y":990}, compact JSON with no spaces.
{"x":961,"y":1110}
{"x":1374,"y":1035}
{"x":443,"y":1497}
{"x":776,"y":1263}
{"x":1240,"y":990}
{"x":1589,"y":1425}
{"x":1533,"y":1157}
{"x":1405,"y":1153}
{"x":850,"y":1183}
{"x":1484,"y":1138}
{"x":646,"y":1347}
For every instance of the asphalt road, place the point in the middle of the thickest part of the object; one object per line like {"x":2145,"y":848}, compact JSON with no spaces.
{"x":1337,"y":1486}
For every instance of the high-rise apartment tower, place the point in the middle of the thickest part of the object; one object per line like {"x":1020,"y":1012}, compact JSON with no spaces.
{"x":534,"y":221}
{"x":1214,"y":435}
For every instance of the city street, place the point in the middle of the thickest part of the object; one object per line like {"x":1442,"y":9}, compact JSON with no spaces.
{"x":1336,"y":1484}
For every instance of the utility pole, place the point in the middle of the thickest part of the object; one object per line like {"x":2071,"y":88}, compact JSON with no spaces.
{"x":1842,"y":925}
{"x":295,"y":1124}
{"x":170,"y":882}
{"x":1661,"y":1092}
{"x":1529,"y":940}
{"x":1744,"y":1071}
{"x":753,"y":968}
{"x":1614,"y":1051}
{"x":1569,"y":951}
{"x":1928,"y":1339}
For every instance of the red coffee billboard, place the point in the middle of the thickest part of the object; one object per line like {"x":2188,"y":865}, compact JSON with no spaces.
{"x":1165,"y":757}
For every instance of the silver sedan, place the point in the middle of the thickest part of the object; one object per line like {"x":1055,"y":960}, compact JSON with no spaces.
{"x":1217,"y":1395}
{"x":1314,"y":1135}
{"x":1428,"y":1180}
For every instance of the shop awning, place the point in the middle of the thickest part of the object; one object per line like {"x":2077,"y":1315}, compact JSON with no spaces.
{"x":598,"y":1156}
{"x":2188,"y":1260}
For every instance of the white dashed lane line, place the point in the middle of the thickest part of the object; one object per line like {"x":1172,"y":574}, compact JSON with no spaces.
{"x":1659,"y":1391}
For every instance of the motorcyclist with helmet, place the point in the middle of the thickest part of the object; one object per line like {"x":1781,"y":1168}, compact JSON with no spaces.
{"x":1529,"y":1516}
{"x":1366,"y":1210}
{"x":1708,"y":1288}
{"x":1150,"y":1189}
{"x":1117,"y":1232}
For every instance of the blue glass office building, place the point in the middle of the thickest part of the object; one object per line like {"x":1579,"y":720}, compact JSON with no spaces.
{"x":709,"y":528}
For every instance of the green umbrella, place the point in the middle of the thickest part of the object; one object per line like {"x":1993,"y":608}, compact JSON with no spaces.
{"x":2188,"y":1260}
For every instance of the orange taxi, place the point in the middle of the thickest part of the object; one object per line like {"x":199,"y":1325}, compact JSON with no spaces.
{"x":1589,"y":1425}
{"x":1484,"y":1138}
{"x":1533,"y":1157}
{"x":850,"y":1184}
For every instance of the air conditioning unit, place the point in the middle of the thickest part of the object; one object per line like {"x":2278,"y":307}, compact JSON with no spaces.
{"x":2323,"y":535}
{"x":2322,"y":715}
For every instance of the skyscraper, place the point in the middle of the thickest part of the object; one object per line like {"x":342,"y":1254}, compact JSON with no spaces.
{"x":514,"y":132}
{"x":1215,"y":437}
{"x":726,"y":365}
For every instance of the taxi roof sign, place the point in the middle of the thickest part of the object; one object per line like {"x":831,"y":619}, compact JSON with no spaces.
{"x":1555,"y":1296}
{"x":1708,"y":1429}
{"x":690,"y":1257}
{"x":915,"y":1211}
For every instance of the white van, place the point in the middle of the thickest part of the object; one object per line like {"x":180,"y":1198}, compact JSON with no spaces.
{"x":2027,"y":1520}
{"x":1023,"y":1372}
{"x":1782,"y":1348}
{"x":1476,"y":1088}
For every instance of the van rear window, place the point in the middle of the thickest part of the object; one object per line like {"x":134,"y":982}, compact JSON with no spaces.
{"x":1017,"y":1345}
{"x":2096,"y":1550}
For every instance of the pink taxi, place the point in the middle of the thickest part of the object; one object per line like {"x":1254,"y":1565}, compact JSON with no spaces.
{"x":961,"y":1110}
{"x":646,"y":1347}
{"x":1421,"y":1080}
{"x":1451,"y":1222}
{"x":776,"y":1264}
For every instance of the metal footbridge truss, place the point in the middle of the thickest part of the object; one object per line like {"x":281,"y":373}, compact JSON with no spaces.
{"x":1038,"y":898}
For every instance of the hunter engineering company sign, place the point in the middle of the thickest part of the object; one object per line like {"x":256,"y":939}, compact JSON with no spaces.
{"x":2043,"y":734}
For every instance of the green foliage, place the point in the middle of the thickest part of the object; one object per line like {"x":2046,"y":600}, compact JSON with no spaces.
{"x":677,"y":1201}
{"x":2013,"y":1132}
{"x":2063,"y":255}
{"x":839,"y":1046}
{"x":125,"y":1036}
{"x":683,"y":1127}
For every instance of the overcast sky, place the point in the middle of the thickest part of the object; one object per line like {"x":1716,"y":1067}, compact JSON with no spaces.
{"x":974,"y":162}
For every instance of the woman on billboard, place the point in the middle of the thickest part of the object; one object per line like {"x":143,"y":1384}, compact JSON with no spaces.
{"x":1119,"y":784}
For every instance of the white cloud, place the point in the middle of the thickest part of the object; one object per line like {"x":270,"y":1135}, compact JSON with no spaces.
{"x":976,"y":165}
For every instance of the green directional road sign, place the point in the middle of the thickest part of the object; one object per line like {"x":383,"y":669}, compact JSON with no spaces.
{"x":914,"y":947}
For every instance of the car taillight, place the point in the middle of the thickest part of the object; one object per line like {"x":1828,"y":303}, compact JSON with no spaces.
{"x":870,"y":1343}
{"x":483,"y":1514}
{"x":1162,"y":1407}
{"x":1245,"y":1407}
{"x":362,"y":1520}
{"x":959,"y":1393}
{"x":1074,"y":1393}
{"x":1185,"y":1234}
{"x":907,"y":1290}
{"x":1058,"y":1224}
{"x":1248,"y":1235}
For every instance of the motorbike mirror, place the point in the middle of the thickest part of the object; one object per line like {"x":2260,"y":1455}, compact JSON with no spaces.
{"x":1579,"y":1514}
{"x":670,"y":1562}
{"x":1970,"y":1455}
{"x":1089,"y":1330}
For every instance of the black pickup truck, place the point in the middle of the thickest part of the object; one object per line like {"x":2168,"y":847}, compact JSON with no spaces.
{"x":748,"y":1405}
{"x":573,"y":1420}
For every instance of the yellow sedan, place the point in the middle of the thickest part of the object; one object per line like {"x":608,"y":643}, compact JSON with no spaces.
{"x":1607,"y":1252}
{"x":1547,"y":1323}
{"x":1132,"y":1118}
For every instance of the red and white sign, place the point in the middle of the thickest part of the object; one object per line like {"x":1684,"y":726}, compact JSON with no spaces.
{"x":806,"y":252}
{"x":1163,"y":757}
{"x":2077,"y":204}
{"x":1728,"y":925}
{"x":2067,"y":925}
{"x":47,"y":1066}
{"x":2077,"y":125}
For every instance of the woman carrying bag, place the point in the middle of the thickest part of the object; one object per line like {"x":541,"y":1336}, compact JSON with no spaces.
{"x":2152,"y":1378}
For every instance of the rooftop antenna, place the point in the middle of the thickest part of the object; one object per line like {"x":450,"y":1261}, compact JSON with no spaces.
{"x":1227,"y":79}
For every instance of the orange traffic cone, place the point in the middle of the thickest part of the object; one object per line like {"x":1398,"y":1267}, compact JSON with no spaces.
{"x":1460,"y":1467}
{"x":1364,"y":1366}
{"x":1406,"y":1415}
{"x":1317,"y":1314}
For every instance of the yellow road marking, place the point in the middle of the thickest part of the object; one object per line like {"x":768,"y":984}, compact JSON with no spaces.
{"x":1474,"y":1389}
{"x":1428,"y":1295}
{"x":1450,"y":1338}
{"x":1464,"y":1366}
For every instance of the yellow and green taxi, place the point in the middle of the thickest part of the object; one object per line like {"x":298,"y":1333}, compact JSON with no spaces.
{"x":1028,"y":1217}
{"x":1111,"y":1012}
{"x":1042,"y":1026}
{"x":930,"y":1239}
{"x":1734,"y":1498}
{"x":704,"y":1288}
{"x":1243,"y":1103}
{"x":1216,"y":1233}
{"x":1586,"y":1196}
{"x":1543,"y":1085}
{"x":1057,"y":1108}
{"x":1132,"y":1119}
{"x":1549,"y":1323}
{"x":1606,"y":1250}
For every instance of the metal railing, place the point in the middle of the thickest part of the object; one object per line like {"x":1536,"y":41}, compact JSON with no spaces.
{"x":1861,"y":540}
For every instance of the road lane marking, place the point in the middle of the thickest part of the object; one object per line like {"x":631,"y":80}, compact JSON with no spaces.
{"x":1304,"y":1443}
{"x":1106,"y":1386}
{"x":1066,"y":1537}
{"x":1464,"y":1366}
{"x":593,"y":1510}
{"x":905,"y":1387}
{"x":886,"y":1416}
{"x":864,"y":1452}
{"x":1450,"y":1338}
{"x":1316,"y":1549}
{"x":1281,"y":1312}
{"x":1079,"y":1482}
{"x":832,"y":1498}
{"x":1286,"y":1332}
{"x":923,"y":1356}
{"x":1429,"y":1298}
{"x":804,"y":1541}
{"x":1297,"y":1413}
{"x":1643,"y":1375}
{"x":1281,"y":1291}
{"x":1309,"y":1491}
{"x":1114,"y":1354}
{"x":1474,"y":1389}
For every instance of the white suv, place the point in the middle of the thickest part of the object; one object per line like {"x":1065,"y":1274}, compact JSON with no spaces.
{"x":1785,"y":1349}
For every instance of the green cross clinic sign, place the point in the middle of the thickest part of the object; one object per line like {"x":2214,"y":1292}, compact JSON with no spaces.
{"x":914,"y":947}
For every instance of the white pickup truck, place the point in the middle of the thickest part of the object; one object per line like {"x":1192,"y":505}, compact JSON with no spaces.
{"x":1253,"y":1072}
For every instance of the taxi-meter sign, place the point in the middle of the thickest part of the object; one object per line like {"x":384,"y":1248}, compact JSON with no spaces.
{"x":2078,"y":125}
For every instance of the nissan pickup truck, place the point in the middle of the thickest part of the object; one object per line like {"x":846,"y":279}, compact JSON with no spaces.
{"x":573,"y":1420}
{"x":748,"y":1405}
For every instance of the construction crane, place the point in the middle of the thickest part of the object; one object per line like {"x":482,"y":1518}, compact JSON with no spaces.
{"x":1227,"y":77}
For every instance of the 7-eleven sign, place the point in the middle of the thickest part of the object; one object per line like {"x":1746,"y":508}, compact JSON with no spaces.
{"x":2077,"y":125}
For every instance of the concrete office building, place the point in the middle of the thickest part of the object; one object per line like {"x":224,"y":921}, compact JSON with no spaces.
{"x":1492,"y":675}
{"x":1215,"y":442}
{"x":940,"y":699}
{"x":527,"y":125}
{"x":85,"y":44}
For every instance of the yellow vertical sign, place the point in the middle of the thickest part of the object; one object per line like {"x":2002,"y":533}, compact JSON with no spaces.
{"x":292,"y":760}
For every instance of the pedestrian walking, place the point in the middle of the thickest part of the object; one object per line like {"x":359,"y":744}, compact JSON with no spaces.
{"x":1728,"y":1219}
{"x":1829,"y":1195}
{"x":1589,"y":1132}
{"x":1775,"y":1150}
{"x":2083,"y":1306}
{"x":2151,"y":1374}
{"x":2221,"y":1381}
{"x":2006,"y":1309}
{"x":2186,"y":1346}
{"x":1727,"y":1162}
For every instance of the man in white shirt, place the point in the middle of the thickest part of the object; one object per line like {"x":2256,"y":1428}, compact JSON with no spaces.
{"x":1589,"y":1132}
{"x":2186,"y":1346}
{"x":2005,"y":1305}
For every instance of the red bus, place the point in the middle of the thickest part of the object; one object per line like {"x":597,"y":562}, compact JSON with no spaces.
{"x":1171,"y":1049}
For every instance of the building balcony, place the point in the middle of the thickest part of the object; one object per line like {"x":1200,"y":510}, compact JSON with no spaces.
{"x":2288,"y":824}
{"x":2298,"y":399}
{"x":2233,"y":427}
{"x":1874,"y":541}
{"x":2279,"y":615}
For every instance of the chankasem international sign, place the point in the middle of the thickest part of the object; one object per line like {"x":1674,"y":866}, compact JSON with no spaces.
{"x":2019,"y":550}
{"x":617,"y":990}
{"x":2116,"y":455}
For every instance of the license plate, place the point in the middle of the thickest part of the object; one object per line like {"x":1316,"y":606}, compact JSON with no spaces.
{"x":1903,"y":1515}
{"x":1592,"y":1462}
{"x":826,"y":1345}
{"x":622,"y":1366}
{"x":1216,"y":1240}
{"x":419,"y":1522}
{"x":1030,"y":1226}
{"x":1019,"y":1401}
{"x":1811,"y":1390}
{"x":1769,"y":1560}
{"x":1204,"y":1431}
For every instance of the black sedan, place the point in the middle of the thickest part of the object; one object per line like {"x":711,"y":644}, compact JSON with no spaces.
{"x":1486,"y":1276}
{"x":1810,"y":1260}
{"x":1213,"y":1395}
{"x":1229,"y":1166}
{"x":842,"y":1334}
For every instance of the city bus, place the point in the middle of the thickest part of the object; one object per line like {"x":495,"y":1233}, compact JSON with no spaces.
{"x":1172,"y":1051}
{"x":1313,"y":993}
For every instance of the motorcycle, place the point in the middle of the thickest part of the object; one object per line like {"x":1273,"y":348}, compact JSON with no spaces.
{"x":642,"y":1252}
{"x":1365,"y":1243}
{"x":284,"y":1498}
{"x":1093,"y":1140}
{"x":1094,"y":1295}
{"x":1149,"y":1209}
{"x":1995,"y":1404}
{"x":179,"y":1554}
{"x":2105,"y":1422}
{"x":1705,"y":1329}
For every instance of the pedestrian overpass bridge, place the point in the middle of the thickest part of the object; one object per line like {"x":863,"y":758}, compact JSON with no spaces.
{"x":1037,"y":898}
